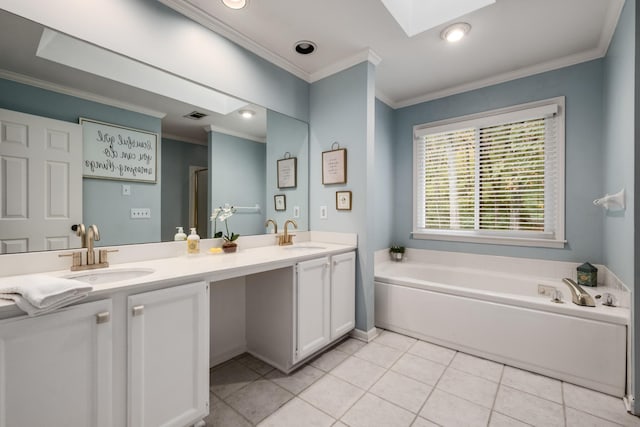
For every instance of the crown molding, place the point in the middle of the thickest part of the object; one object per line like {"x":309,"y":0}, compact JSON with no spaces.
{"x":610,"y":24}
{"x":193,"y":12}
{"x":53,"y":87}
{"x":504,"y":77}
{"x":362,"y":56}
{"x":181,"y":138}
{"x":213,"y":128}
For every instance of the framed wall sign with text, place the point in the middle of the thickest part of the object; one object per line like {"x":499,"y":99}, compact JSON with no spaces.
{"x":334,"y":166}
{"x":118,"y":152}
{"x":287,"y":172}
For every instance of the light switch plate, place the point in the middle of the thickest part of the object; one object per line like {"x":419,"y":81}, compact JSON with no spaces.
{"x":296,"y":211}
{"x":323,"y":212}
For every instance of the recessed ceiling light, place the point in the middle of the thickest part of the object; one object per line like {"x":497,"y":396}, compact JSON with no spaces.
{"x":305,"y":47}
{"x":455,"y":32}
{"x":247,"y":114}
{"x":235,"y":4}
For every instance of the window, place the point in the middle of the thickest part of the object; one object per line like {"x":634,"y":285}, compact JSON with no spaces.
{"x":494,"y":177}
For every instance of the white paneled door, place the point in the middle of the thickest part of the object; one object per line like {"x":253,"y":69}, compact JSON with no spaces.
{"x":40,"y":182}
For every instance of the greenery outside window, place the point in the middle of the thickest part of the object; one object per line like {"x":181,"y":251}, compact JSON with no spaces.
{"x":494,"y":177}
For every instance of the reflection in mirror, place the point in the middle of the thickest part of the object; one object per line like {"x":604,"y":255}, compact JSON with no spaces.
{"x":233,"y":157}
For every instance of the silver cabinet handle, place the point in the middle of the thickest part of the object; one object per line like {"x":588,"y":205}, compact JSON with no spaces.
{"x":103,"y":317}
{"x":138,"y":310}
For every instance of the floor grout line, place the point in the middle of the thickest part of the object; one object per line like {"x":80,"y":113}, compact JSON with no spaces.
{"x":386,"y":370}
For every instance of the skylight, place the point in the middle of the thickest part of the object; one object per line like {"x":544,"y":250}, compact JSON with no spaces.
{"x":416,"y":16}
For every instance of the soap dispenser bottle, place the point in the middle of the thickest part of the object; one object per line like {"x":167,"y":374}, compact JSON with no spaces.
{"x":193,"y":242}
{"x":180,"y":234}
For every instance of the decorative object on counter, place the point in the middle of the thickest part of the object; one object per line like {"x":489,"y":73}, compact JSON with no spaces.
{"x":193,"y":242}
{"x":118,"y":152}
{"x":287,"y":171}
{"x":223,"y":214}
{"x":180,"y":234}
{"x":343,"y":200}
{"x":38,"y":294}
{"x":396,"y":252}
{"x":587,"y":275}
{"x":334,"y":165}
{"x":280,"y":202}
{"x":612,"y":202}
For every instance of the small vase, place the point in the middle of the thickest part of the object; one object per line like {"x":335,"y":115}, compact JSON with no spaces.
{"x":396,"y":256}
{"x":229,"y":247}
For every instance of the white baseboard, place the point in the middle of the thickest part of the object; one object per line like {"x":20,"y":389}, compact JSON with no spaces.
{"x":216,"y":359}
{"x":366,"y":336}
{"x":629,"y":403}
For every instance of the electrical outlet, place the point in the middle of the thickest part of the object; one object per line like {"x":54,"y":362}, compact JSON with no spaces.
{"x":296,"y":211}
{"x":126,"y":190}
{"x":140,"y":213}
{"x":323,"y":212}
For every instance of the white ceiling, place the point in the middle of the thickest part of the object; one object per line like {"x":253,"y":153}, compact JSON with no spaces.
{"x":509,"y":39}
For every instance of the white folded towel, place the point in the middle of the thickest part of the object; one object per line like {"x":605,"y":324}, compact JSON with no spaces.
{"x":42,"y":292}
{"x":25,"y":306}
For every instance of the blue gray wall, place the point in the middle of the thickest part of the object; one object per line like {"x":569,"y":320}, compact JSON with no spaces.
{"x":342,"y":110}
{"x":582,"y":86}
{"x":384,"y":212}
{"x":177,"y":156}
{"x":618,"y":144}
{"x":103,"y":202}
{"x":620,"y":165}
{"x":286,"y":134}
{"x":237,"y":176}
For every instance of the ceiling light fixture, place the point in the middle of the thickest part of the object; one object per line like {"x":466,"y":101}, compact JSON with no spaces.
{"x":305,"y":47}
{"x":454,"y":33}
{"x":235,"y":4}
{"x":247,"y":114}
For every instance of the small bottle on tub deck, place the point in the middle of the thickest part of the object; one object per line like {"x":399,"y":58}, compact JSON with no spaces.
{"x":587,"y":275}
{"x":193,"y":242}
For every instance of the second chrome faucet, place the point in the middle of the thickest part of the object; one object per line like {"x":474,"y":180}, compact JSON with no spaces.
{"x":285,"y":238}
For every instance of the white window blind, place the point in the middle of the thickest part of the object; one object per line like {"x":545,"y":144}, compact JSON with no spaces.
{"x":497,"y":177}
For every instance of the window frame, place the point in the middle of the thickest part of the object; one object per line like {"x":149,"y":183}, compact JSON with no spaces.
{"x":555,"y":239}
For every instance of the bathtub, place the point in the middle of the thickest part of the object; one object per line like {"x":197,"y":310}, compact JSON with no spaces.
{"x":500,"y":316}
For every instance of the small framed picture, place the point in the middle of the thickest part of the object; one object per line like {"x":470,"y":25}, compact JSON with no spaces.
{"x":280,"y":201}
{"x":287,"y":172}
{"x":343,"y":200}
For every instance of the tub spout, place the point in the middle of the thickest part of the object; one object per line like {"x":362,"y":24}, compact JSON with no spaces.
{"x":578,"y":295}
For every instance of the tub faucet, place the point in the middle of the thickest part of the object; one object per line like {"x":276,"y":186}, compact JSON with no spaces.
{"x":578,"y":295}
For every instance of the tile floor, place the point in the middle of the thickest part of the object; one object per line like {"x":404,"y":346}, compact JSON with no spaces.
{"x":399,"y":381}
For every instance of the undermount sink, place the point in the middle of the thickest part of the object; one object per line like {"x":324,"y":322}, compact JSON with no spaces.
{"x":98,"y":277}
{"x":295,"y":247}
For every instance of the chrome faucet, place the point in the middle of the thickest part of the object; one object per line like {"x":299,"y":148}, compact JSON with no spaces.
{"x":88,"y":235}
{"x":285,"y":239}
{"x":91,"y":235}
{"x":275,"y":225}
{"x":578,"y":295}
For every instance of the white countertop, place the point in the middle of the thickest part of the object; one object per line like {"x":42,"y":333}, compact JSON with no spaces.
{"x":203,"y":266}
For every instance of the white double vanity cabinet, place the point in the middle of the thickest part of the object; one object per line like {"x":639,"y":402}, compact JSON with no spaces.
{"x":137,"y":352}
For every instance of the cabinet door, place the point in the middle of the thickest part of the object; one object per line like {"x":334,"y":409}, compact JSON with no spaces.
{"x":343,"y":294}
{"x":312,"y":306}
{"x":168,"y":382}
{"x":55,"y":370}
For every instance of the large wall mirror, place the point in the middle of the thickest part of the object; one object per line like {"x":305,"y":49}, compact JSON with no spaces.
{"x":229,"y":157}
